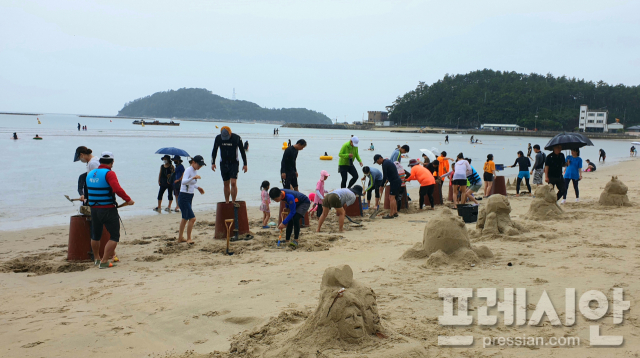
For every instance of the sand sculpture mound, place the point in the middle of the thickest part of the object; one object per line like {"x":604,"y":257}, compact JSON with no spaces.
{"x":494,"y":218}
{"x":615,"y":193}
{"x":510,"y":185}
{"x":446,"y":240}
{"x":545,"y":205}
{"x":346,"y":319}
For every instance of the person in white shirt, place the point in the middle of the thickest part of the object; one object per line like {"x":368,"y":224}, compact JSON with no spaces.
{"x":83,"y":154}
{"x":462,"y":169}
{"x":339,"y":199}
{"x":187,"y":189}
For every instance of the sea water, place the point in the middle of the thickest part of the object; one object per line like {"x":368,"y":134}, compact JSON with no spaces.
{"x":36,"y":174}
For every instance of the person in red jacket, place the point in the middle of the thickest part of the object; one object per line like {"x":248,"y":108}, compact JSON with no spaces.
{"x":426,"y":180}
{"x":102,"y":188}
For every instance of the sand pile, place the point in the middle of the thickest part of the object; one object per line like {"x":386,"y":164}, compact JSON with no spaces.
{"x":43,"y":264}
{"x":510,"y":185}
{"x":346,"y":319}
{"x":615,"y":193}
{"x":545,"y":205}
{"x":446,"y":240}
{"x":266,"y":239}
{"x":494,"y":218}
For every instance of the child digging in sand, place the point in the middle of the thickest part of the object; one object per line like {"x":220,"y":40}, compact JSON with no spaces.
{"x":298,"y":204}
{"x":264,"y":204}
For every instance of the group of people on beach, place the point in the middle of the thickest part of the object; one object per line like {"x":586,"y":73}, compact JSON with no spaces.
{"x":99,"y":186}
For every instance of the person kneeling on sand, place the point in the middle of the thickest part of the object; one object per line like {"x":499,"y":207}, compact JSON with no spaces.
{"x":298,"y":204}
{"x":339,"y":199}
{"x":102,"y":188}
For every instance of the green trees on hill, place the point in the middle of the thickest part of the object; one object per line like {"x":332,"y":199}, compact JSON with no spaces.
{"x":489,"y":96}
{"x":202,"y":104}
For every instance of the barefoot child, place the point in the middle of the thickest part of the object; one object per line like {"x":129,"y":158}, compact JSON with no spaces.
{"x":264,"y":204}
{"x":320,"y":192}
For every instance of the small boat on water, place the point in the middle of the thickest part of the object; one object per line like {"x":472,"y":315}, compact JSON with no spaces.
{"x":155,"y":123}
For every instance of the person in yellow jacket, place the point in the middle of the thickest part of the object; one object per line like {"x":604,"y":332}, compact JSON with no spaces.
{"x":348,"y":153}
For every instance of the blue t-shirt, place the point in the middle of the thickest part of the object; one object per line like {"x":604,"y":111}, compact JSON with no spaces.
{"x":573,"y":164}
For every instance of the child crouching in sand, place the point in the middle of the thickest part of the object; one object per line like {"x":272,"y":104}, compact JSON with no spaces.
{"x":264,"y":204}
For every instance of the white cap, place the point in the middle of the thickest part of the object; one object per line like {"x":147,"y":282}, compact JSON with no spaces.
{"x":355,"y":141}
{"x":106,"y":155}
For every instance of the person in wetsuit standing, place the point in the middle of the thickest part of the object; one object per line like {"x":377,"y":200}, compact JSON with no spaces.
{"x":229,"y":144}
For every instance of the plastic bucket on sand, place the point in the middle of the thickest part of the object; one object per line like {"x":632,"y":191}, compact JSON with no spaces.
{"x":80,"y":238}
{"x":468,"y":212}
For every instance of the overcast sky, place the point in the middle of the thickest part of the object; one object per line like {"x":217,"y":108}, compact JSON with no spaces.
{"x":341,"y":58}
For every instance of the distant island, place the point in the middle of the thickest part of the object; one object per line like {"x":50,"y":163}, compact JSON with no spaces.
{"x":501,"y":97}
{"x":200,"y":103}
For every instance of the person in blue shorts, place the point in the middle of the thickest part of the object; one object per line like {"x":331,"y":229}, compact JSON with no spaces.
{"x":573,"y":173}
{"x":523,"y":164}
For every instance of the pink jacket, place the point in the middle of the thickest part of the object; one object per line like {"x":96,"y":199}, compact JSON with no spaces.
{"x":320,"y":188}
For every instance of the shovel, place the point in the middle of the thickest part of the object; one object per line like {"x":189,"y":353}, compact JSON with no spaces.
{"x":72,"y":200}
{"x":353,"y":222}
{"x":228,"y":223}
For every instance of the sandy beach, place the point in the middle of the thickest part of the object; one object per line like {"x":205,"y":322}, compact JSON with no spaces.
{"x":171,"y":300}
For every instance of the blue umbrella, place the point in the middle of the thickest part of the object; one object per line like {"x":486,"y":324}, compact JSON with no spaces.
{"x":173,"y":151}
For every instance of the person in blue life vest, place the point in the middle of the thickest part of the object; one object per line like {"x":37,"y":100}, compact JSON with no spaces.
{"x":298,"y":204}
{"x":102,"y":188}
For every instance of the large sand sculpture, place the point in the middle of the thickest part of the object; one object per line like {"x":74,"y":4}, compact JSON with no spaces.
{"x":346,"y":319}
{"x":446,"y":240}
{"x":545,"y":205}
{"x":494,"y":218}
{"x":615,"y":193}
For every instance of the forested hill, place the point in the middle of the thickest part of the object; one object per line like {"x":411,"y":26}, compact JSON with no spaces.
{"x":489,"y":96}
{"x":202,"y":104}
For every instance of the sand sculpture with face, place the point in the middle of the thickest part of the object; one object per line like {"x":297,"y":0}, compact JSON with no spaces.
{"x":494,"y":218}
{"x":614,"y":193}
{"x":545,"y":205}
{"x":446,"y":240}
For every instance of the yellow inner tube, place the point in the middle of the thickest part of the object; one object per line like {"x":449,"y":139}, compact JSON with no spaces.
{"x":326,"y":157}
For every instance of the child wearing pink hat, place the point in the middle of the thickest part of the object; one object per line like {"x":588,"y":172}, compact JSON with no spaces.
{"x":320,"y":192}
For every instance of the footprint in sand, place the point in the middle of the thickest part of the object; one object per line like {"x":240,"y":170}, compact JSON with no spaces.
{"x":241,"y":320}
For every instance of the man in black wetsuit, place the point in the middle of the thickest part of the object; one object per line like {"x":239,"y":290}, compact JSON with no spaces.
{"x":229,"y":144}
{"x":288,"y":169}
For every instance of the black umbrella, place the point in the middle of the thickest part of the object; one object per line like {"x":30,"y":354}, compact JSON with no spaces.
{"x":568,"y":141}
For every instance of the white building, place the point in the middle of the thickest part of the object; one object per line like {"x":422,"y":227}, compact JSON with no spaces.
{"x":593,"y":121}
{"x":502,"y":127}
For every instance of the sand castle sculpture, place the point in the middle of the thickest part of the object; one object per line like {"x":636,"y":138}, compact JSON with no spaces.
{"x":446,"y":240}
{"x":346,"y":319}
{"x":614,"y":193}
{"x":545,"y":205}
{"x":494,"y":218}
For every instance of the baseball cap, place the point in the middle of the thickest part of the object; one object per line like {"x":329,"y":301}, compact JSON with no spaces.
{"x":106,"y":155}
{"x":225,"y":132}
{"x":375,"y":158}
{"x":356,"y":189}
{"x":413,"y":162}
{"x":355,"y":141}
{"x":199,"y":160}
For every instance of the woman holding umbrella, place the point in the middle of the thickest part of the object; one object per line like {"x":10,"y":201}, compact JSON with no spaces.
{"x":177,"y":178}
{"x":164,"y":181}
